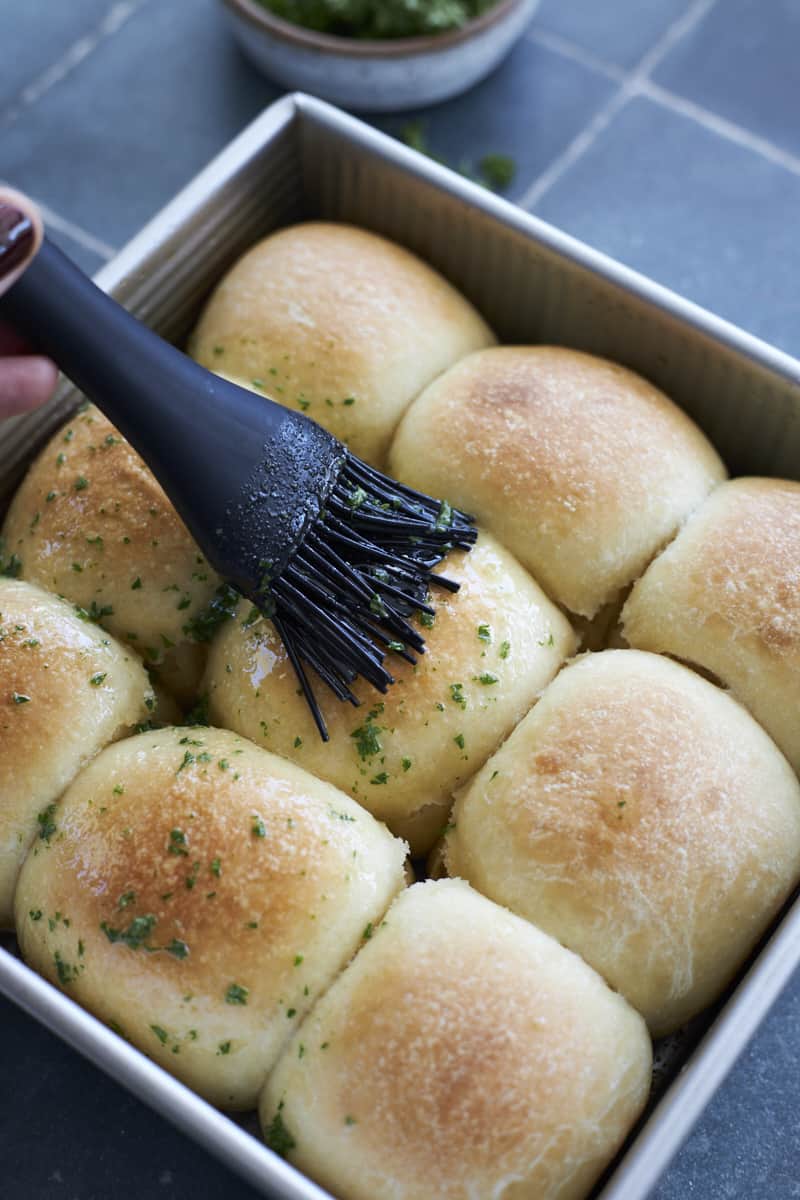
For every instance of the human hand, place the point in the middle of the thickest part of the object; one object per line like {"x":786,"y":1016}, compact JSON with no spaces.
{"x":26,"y":379}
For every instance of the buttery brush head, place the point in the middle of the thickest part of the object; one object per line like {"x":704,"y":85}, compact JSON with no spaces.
{"x":344,"y":598}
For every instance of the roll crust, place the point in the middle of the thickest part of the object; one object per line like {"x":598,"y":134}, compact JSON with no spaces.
{"x":643,"y":818}
{"x":580,"y":467}
{"x":340,"y":323}
{"x":725,"y":597}
{"x":66,"y":690}
{"x":462,"y":1054}
{"x":491,"y":649}
{"x":198,"y":894}
{"x":91,"y":523}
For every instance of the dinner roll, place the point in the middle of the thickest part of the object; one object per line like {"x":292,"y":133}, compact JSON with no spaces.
{"x":198,"y":894}
{"x":66,"y":689}
{"x":580,"y":467}
{"x":90,"y":523}
{"x":340,"y":323}
{"x":492,"y":647}
{"x":463,"y":1055}
{"x":643,"y":818}
{"x":726,"y":597}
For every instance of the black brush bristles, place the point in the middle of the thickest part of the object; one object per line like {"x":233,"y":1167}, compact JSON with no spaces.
{"x":345,"y":598}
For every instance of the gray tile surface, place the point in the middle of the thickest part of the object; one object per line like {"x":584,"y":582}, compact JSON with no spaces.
{"x":113,"y":141}
{"x":620,"y":31}
{"x":747,"y":1143}
{"x":743,"y":62}
{"x":530,"y":110}
{"x":696,"y":212}
{"x":35,"y":34}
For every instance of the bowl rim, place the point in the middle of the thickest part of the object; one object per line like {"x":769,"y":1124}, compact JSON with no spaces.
{"x":310,"y":39}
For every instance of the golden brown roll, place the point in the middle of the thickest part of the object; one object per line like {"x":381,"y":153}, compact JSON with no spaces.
{"x":492,"y":647}
{"x":726,"y":597}
{"x":66,"y":689}
{"x":340,"y":323}
{"x":90,"y":523}
{"x":463,"y":1055}
{"x":198,"y":894}
{"x":580,"y":467}
{"x":643,"y":818}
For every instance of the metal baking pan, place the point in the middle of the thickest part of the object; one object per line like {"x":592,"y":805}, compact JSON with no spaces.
{"x":304,"y":159}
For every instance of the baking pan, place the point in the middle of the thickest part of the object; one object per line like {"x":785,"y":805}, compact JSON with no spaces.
{"x":304,"y":159}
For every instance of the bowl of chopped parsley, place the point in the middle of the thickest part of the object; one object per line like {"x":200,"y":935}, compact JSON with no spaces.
{"x":378,"y":55}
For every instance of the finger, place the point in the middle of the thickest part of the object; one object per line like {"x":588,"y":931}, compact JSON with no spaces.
{"x":20,"y":235}
{"x":25,"y":383}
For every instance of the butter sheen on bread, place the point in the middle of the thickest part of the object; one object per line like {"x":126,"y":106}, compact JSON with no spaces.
{"x":198,"y":894}
{"x":90,"y":522}
{"x":66,"y":690}
{"x":490,"y":650}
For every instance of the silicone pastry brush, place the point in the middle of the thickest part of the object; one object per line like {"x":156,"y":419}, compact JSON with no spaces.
{"x":339,"y":556}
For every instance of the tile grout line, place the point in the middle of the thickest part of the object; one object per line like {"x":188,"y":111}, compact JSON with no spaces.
{"x":78,"y":235}
{"x":576,"y":53}
{"x":114,"y":19}
{"x":672,"y":101}
{"x":631,"y":84}
{"x":719,"y":125}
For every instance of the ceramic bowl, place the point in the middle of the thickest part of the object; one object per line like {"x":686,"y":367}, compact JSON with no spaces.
{"x":378,"y":76}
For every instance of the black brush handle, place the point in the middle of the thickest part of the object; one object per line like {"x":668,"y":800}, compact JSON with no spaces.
{"x":199,"y":434}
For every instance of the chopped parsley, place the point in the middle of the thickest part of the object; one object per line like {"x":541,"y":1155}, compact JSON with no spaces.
{"x":277,"y":1136}
{"x":97,"y":679}
{"x":135,"y":935}
{"x":487,"y":678}
{"x":457,"y":694}
{"x":160,"y":1033}
{"x":366,"y":737}
{"x":177,"y":842}
{"x":47,"y":826}
{"x":20,"y":698}
{"x":236,"y":994}
{"x":484,"y":633}
{"x":259,"y":829}
{"x":444,"y":518}
{"x":505,"y":649}
{"x":459,"y":740}
{"x":220,"y":608}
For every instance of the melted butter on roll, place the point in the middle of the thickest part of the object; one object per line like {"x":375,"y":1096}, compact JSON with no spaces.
{"x":490,"y":650}
{"x":66,"y":690}
{"x":198,"y":894}
{"x":91,"y":523}
{"x":463,"y":1055}
{"x":725,"y":596}
{"x":643,"y":818}
{"x":580,"y":467}
{"x":339,"y":323}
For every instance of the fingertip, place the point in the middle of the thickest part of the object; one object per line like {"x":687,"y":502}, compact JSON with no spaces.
{"x":25,"y":384}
